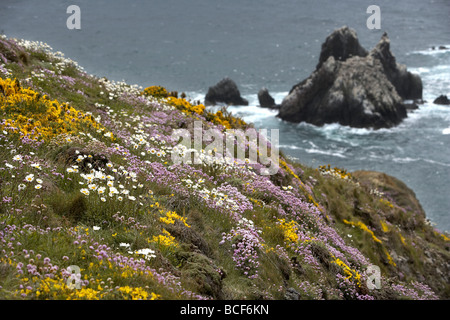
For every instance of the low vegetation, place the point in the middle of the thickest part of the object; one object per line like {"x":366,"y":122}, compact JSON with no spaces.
{"x":93,"y":207}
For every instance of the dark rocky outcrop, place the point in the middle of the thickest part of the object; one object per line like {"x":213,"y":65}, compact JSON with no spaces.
{"x":266,"y":100}
{"x":353,"y":87}
{"x":225,"y":91}
{"x":354,"y":92}
{"x":439,"y":48}
{"x":408,"y":85}
{"x":442,"y":99}
{"x":342,"y":44}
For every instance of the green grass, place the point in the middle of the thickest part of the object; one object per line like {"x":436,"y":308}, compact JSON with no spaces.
{"x":64,"y":217}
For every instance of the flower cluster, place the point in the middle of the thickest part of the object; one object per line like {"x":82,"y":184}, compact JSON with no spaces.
{"x":169,"y":217}
{"x":36,"y":117}
{"x":156,"y":91}
{"x":335,"y":172}
{"x":124,"y":220}
{"x":246,"y":243}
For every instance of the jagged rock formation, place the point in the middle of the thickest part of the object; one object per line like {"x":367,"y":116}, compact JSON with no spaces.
{"x":442,"y":99}
{"x":408,"y":85}
{"x":353,"y":87}
{"x":266,"y":100}
{"x":225,"y":91}
{"x":341,"y":45}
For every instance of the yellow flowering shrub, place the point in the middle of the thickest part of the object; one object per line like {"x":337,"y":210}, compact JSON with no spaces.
{"x":390,"y":260}
{"x":136,"y":293}
{"x":384,"y":226}
{"x":386,"y":202}
{"x":225,"y":119}
{"x":48,"y":288}
{"x":185,"y":106}
{"x":289,"y":230}
{"x":310,"y":198}
{"x":443,"y":236}
{"x":169,"y":217}
{"x":37,"y":117}
{"x":349,"y":272}
{"x":363,"y":227}
{"x":156,"y":91}
{"x":165,"y":240}
{"x":402,"y":239}
{"x":85,"y":294}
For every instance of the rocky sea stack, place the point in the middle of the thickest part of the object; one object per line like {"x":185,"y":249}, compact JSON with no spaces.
{"x":352,"y":86}
{"x":442,"y":99}
{"x":266,"y":100}
{"x":225,"y":91}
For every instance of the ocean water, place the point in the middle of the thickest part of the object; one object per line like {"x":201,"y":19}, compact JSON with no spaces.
{"x":191,"y":45}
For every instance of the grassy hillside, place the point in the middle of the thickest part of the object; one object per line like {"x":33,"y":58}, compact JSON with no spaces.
{"x":87,"y":180}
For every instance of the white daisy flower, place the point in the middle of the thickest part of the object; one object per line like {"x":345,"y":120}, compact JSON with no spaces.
{"x":101,"y":190}
{"x":36,"y":165}
{"x":113,"y":190}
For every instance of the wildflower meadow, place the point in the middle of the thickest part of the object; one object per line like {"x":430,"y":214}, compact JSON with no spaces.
{"x":88,"y":183}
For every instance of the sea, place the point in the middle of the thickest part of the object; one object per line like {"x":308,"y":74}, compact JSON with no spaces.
{"x":188,"y":46}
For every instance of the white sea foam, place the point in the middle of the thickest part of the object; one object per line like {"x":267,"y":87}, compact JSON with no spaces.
{"x":326,"y":152}
{"x":431,"y":52}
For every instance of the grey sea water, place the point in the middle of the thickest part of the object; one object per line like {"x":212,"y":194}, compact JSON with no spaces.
{"x":191,"y":45}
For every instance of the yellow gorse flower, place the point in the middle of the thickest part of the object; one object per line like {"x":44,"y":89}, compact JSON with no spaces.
{"x":169,"y":217}
{"x":137,"y":293}
{"x":35,"y":116}
{"x":156,"y":91}
{"x":349,"y":272}
{"x":386,"y":202}
{"x":289,"y":230}
{"x":165,"y":240}
{"x":363,"y":227}
{"x":185,"y":106}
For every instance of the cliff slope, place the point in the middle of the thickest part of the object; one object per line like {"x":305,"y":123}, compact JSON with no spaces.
{"x":88,"y":186}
